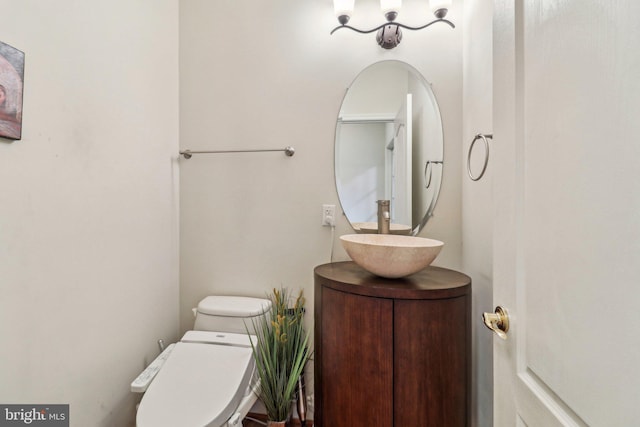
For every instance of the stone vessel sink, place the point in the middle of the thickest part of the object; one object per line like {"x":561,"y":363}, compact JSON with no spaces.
{"x":390,"y":255}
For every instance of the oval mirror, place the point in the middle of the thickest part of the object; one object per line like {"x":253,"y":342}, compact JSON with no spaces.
{"x":389,"y":146}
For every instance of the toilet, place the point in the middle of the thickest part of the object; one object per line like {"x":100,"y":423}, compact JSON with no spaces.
{"x":206,"y":379}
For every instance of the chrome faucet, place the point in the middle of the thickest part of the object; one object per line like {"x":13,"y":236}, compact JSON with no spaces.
{"x":384,"y":217}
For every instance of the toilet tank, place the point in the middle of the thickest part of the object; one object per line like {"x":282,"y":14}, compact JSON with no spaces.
{"x":229,"y":313}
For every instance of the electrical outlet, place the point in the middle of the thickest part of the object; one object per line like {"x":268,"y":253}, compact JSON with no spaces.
{"x":329,"y":215}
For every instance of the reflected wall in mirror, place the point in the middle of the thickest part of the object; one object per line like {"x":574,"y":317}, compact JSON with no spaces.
{"x":389,"y":146}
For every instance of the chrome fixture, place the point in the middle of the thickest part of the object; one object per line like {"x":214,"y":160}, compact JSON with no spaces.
{"x":389,"y":34}
{"x":486,"y":155}
{"x":384,"y":217}
{"x":427,"y":180}
{"x":289,"y":151}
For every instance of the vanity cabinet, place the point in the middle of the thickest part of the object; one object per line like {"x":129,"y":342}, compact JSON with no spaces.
{"x":391,"y":352}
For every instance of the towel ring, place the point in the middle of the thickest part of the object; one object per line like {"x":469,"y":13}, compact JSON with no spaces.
{"x":486,"y":155}
{"x":427,"y":180}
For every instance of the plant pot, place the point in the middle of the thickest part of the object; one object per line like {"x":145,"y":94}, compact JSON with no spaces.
{"x":276,"y":423}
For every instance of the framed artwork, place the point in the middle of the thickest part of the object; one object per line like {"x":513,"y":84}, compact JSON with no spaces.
{"x":11,"y":88}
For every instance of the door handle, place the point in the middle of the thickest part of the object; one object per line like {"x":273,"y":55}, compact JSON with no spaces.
{"x":498,"y":322}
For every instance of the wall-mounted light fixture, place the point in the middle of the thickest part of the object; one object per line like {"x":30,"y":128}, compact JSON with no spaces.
{"x":389,"y":34}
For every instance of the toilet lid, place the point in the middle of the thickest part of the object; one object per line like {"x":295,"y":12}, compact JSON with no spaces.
{"x":233,"y":306}
{"x":200,"y":385}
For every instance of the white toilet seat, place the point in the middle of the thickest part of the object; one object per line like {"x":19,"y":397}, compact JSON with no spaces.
{"x":200,"y":385}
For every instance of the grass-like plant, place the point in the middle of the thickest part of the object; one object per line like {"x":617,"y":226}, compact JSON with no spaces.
{"x":281,"y":351}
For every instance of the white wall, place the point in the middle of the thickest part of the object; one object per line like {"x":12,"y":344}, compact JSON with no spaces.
{"x":477,"y":200}
{"x":368,"y":96}
{"x":266,"y":75}
{"x":88,"y":229}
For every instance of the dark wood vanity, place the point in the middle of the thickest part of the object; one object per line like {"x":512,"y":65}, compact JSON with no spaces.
{"x":391,"y":352}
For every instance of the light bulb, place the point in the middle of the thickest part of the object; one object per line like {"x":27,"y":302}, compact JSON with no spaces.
{"x":343,"y":8}
{"x":390,"y":6}
{"x":440,"y":7}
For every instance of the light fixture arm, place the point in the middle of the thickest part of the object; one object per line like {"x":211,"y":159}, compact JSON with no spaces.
{"x":446,"y":21}
{"x":389,"y":34}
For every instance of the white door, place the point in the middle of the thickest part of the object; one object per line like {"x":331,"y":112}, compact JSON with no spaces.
{"x":566,"y":175}
{"x":401,"y":197}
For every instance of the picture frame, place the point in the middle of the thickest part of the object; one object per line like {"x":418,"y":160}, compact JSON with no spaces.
{"x":11,"y":91}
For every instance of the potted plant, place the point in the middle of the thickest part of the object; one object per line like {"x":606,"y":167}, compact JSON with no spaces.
{"x":280,"y":350}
